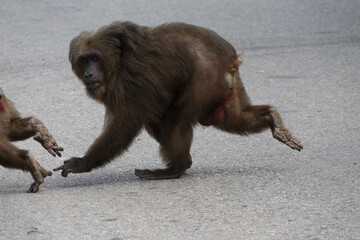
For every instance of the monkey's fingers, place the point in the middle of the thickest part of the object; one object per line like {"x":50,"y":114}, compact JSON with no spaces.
{"x":49,"y":143}
{"x":73,"y":165}
{"x":58,"y":168}
{"x":64,"y":171}
{"x":56,"y":150}
{"x":51,"y":152}
{"x":65,"y":168}
{"x":58,"y":153}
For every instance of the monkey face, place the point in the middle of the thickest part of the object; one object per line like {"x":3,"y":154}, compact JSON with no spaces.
{"x":91,"y":72}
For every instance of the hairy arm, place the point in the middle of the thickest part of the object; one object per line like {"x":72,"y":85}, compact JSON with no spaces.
{"x":23,"y":128}
{"x":43,"y":136}
{"x":116,"y":137}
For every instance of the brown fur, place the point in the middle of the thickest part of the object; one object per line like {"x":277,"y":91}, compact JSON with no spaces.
{"x":166,"y":79}
{"x":15,"y":128}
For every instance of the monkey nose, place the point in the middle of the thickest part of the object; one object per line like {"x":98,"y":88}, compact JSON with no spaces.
{"x":88,"y":75}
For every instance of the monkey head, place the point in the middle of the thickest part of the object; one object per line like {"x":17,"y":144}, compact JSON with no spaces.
{"x":92,"y":72}
{"x":88,"y":65}
{"x":104,"y":60}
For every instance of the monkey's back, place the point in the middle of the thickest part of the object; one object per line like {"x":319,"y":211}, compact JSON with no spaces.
{"x":196,"y":36}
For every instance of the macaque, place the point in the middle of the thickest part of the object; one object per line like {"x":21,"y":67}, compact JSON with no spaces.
{"x":13,"y":127}
{"x":165,"y":79}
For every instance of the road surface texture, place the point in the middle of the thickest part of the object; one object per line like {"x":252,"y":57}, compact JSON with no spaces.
{"x":301,"y":56}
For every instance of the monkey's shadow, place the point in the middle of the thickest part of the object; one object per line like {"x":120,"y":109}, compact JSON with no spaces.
{"x":91,"y":179}
{"x":120,"y":178}
{"x":202,"y":173}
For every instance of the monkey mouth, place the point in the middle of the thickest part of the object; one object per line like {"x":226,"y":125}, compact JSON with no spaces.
{"x":93,"y":86}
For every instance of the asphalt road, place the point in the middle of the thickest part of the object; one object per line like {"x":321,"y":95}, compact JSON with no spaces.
{"x":301,"y":56}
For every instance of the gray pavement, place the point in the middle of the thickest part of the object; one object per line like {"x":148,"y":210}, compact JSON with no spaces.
{"x":301,"y":56}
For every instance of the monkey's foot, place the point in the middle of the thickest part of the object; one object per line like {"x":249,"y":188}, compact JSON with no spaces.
{"x":39,"y":176}
{"x":283,"y":135}
{"x":158,"y":174}
{"x":37,"y":172}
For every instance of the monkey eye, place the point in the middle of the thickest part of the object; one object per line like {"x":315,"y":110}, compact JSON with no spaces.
{"x":83,"y":61}
{"x":95,"y":58}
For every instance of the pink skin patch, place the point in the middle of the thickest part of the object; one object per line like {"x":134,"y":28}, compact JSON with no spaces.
{"x":218,"y":114}
{"x":3,"y":107}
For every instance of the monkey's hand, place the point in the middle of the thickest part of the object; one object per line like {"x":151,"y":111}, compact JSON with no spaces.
{"x":43,"y":136}
{"x":73,"y":165}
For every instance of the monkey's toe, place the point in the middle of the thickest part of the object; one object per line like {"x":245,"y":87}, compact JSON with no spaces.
{"x":284,"y":135}
{"x":294,"y":143}
{"x":45,"y":173}
{"x":34,"y":187}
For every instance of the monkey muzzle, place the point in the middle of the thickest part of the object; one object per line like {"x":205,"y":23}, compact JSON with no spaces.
{"x":93,"y":85}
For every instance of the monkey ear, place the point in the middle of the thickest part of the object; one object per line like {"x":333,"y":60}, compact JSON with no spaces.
{"x":239,"y":59}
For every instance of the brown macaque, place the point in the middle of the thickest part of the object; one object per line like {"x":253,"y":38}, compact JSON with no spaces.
{"x":15,"y":128}
{"x":166,"y":79}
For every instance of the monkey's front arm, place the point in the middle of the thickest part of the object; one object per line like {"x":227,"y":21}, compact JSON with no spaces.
{"x":23,"y":128}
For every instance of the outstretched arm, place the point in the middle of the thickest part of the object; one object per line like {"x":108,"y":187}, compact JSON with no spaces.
{"x":43,"y":136}
{"x":23,"y":128}
{"x":113,"y":141}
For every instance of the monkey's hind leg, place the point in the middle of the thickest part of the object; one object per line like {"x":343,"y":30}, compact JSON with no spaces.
{"x":12,"y":157}
{"x":175,"y":150}
{"x":37,"y":172}
{"x":256,"y":118}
